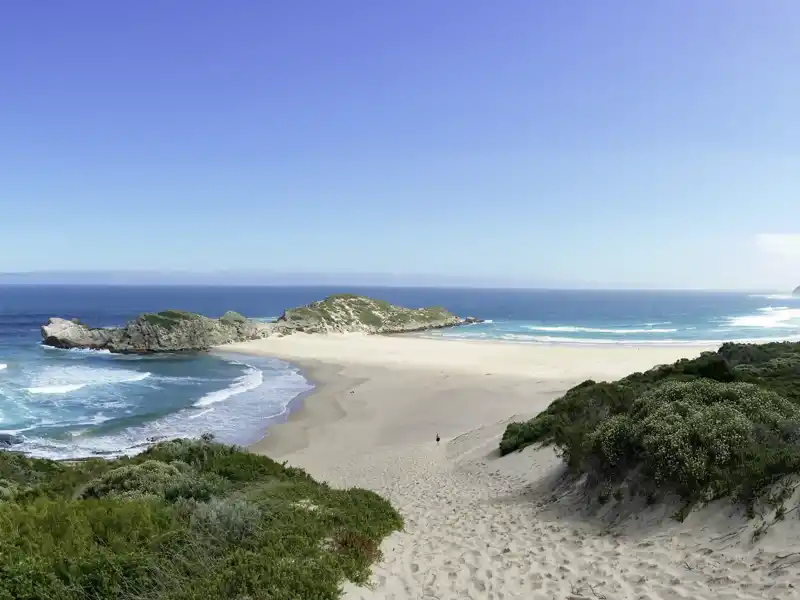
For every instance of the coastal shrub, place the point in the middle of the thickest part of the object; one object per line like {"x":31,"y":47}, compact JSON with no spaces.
{"x":233,"y":519}
{"x":612,"y":442}
{"x":707,"y":439}
{"x":232,"y":318}
{"x":519,"y":435}
{"x":185,"y":520}
{"x":25,"y":477}
{"x":229,"y":462}
{"x":155,"y":478}
{"x":724,"y":424}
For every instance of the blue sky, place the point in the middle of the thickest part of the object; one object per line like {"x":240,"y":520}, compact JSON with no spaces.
{"x":617,"y":143}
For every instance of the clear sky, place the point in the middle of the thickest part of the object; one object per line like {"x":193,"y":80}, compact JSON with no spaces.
{"x":615,"y":143}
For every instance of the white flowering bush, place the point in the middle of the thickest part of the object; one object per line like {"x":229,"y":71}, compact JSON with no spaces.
{"x":704,"y":438}
{"x":153,"y":478}
{"x":234,"y":519}
{"x":611,"y":441}
{"x":723,"y":423}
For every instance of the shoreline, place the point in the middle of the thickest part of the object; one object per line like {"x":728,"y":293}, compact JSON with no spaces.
{"x":324,"y":373}
{"x":482,"y":526}
{"x":279,"y":432}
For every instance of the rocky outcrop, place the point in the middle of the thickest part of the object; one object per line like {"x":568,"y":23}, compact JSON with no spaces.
{"x":177,"y":331}
{"x":168,"y":331}
{"x":9,"y":439}
{"x":796,"y":292}
{"x":346,"y":313}
{"x":472,"y":321}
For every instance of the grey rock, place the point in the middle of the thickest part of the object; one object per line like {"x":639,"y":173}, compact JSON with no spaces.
{"x":168,"y":331}
{"x":9,"y":439}
{"x":177,"y":331}
{"x":61,"y":333}
{"x":796,"y":291}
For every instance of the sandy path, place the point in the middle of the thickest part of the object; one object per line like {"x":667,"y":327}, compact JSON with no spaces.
{"x":484,"y":527}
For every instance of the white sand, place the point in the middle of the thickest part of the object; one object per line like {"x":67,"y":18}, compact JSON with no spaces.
{"x":480,"y":526}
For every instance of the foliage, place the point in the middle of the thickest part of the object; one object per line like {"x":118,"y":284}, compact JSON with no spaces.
{"x":168,"y":319}
{"x":167,"y":481}
{"x":725,"y":423}
{"x":347,"y":310}
{"x":185,"y":520}
{"x":233,"y":318}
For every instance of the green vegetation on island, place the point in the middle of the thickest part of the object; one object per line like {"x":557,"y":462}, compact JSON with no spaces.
{"x":185,"y":520}
{"x":180,"y":331}
{"x":169,"y":319}
{"x":348,"y":312}
{"x":726,"y":424}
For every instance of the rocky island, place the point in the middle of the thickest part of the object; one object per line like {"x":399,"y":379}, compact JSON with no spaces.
{"x":348,"y":313}
{"x":179,"y":331}
{"x":796,"y":292}
{"x":167,"y":331}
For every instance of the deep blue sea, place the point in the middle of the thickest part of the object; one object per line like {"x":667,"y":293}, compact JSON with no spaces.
{"x":78,"y":403}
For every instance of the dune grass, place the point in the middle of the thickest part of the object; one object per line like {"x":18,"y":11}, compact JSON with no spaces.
{"x":185,"y":520}
{"x":726,"y":424}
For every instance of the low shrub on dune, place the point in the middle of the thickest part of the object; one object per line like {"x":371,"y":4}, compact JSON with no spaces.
{"x":724,"y":424}
{"x":185,"y":520}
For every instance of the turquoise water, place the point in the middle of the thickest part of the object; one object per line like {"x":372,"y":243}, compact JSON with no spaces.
{"x":73,"y":403}
{"x":644,"y":318}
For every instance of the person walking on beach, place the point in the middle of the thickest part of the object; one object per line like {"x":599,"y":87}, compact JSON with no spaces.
{"x":437,"y":438}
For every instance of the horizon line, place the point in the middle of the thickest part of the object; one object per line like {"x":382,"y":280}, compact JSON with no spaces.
{"x":541,"y":288}
{"x":253,"y":278}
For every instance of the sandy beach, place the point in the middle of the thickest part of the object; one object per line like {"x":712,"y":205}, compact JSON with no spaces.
{"x":485,"y":527}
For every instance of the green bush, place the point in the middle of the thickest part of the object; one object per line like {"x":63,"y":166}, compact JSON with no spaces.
{"x":519,"y":435}
{"x":726,"y":423}
{"x":155,"y":478}
{"x":234,"y":519}
{"x":168,"y":318}
{"x":233,"y":318}
{"x":186,"y":520}
{"x":708,"y":439}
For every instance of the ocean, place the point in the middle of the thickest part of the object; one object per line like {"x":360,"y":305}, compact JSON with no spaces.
{"x":69,"y":404}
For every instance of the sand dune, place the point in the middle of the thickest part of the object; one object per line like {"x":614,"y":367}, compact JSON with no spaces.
{"x":485,"y":527}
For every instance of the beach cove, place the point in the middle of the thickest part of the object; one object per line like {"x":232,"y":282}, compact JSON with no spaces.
{"x":480,"y":526}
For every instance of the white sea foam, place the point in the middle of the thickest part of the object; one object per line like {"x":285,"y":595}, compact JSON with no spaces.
{"x":547,"y":339}
{"x":63,"y":380}
{"x":79,"y":350}
{"x":98,"y":418}
{"x":769,"y":317}
{"x":56,"y":389}
{"x":574,"y":329}
{"x":774,"y":296}
{"x":3,"y":366}
{"x":263,"y":319}
{"x":95,"y":419}
{"x":201,"y":413}
{"x":240,"y":420}
{"x":251,"y":379}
